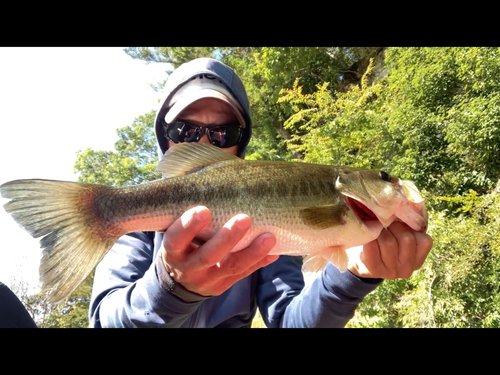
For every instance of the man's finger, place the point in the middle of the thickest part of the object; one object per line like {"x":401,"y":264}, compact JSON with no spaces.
{"x":406,"y":251}
{"x":241,"y":261}
{"x":182,"y":231}
{"x":424,"y":245}
{"x":221,"y":244}
{"x":388,"y":252}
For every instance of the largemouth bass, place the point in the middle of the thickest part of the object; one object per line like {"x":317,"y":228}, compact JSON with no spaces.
{"x":314,"y":210}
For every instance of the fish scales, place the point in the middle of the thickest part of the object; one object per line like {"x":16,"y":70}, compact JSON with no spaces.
{"x":269,"y":193}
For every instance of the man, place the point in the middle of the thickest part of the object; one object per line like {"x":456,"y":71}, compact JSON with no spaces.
{"x":165,"y":280}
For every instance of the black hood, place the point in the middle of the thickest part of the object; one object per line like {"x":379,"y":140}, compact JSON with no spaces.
{"x":188,"y":71}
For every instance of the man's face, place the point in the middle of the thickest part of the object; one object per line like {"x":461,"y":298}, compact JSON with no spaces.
{"x":208,"y":112}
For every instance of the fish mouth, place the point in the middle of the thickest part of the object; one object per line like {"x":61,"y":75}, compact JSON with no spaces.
{"x":360,"y":210}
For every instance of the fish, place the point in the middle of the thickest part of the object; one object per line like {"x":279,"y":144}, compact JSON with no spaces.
{"x":315,"y":211}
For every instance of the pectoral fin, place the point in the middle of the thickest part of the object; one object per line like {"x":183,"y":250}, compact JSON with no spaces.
{"x":322,"y":217}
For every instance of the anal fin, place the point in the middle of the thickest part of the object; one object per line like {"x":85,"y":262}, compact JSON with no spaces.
{"x":336,"y":255}
{"x":339,"y":257}
{"x":314,"y":263}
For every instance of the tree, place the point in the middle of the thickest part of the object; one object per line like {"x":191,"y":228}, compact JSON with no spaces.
{"x":435,"y":122}
{"x":172,"y":57}
{"x":447,"y":100}
{"x":273,"y":69}
{"x":425,"y":114}
{"x":73,"y":312}
{"x":428,"y":120}
{"x":267,"y":70}
{"x":458,"y":285}
{"x":36,"y":304}
{"x":134,"y":160}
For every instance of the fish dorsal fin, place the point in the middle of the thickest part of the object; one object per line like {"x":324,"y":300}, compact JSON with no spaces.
{"x":189,"y":157}
{"x":322,"y":217}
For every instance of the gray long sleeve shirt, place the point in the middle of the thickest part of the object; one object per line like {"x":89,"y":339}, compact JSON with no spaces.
{"x":131,"y":289}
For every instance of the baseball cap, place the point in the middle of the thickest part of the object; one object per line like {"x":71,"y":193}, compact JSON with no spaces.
{"x":200,"y":87}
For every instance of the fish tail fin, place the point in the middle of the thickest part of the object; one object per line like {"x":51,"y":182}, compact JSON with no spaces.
{"x":65,"y":215}
{"x":336,"y":255}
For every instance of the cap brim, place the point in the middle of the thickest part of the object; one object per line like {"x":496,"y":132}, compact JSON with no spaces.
{"x":183,"y":103}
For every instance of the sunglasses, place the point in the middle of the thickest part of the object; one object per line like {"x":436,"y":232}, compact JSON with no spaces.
{"x":222,"y":136}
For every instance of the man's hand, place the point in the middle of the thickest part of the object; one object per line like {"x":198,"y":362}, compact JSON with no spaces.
{"x":211,"y":268}
{"x":396,"y":253}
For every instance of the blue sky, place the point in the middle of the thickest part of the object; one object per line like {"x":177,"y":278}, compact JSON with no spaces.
{"x":53,"y":103}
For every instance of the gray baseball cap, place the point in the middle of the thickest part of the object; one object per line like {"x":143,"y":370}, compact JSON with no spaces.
{"x":197,"y":79}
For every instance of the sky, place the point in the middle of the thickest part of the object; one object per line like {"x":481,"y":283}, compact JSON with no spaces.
{"x":53,"y":103}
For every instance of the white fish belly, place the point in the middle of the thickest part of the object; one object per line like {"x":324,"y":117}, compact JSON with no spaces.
{"x":310,"y":241}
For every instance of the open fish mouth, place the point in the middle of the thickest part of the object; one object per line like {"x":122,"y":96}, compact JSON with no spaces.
{"x":361,"y":211}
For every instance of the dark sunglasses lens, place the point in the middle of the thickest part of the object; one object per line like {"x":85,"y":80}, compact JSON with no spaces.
{"x":191,"y":133}
{"x":225,"y":136}
{"x":181,"y":132}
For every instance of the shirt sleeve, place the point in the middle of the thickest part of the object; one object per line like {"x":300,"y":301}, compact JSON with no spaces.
{"x":329,"y":301}
{"x":131,"y":289}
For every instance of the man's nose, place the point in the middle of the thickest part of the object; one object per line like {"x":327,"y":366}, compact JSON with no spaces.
{"x":204,"y":139}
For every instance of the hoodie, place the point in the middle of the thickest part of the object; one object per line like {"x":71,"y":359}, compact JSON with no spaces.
{"x":133,"y":289}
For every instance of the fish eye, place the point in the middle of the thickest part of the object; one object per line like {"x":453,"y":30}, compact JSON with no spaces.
{"x":385,"y":176}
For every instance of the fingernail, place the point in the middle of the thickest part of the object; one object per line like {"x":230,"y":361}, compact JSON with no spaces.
{"x":186,"y":218}
{"x":268,"y":242}
{"x":199,"y":214}
{"x":243,"y":224}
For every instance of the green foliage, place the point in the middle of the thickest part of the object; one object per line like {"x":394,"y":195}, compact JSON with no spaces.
{"x":473,"y":133}
{"x":175,"y":56}
{"x":134,"y":161}
{"x":71,"y":313}
{"x":36,"y":304}
{"x":257,"y":321}
{"x":433,"y":120}
{"x":427,"y":121}
{"x":172,"y":57}
{"x":430,"y":115}
{"x":452,"y":96}
{"x":265,"y":71}
{"x":458,"y":285}
{"x":341,"y":130}
{"x":266,"y":139}
{"x":278,"y":68}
